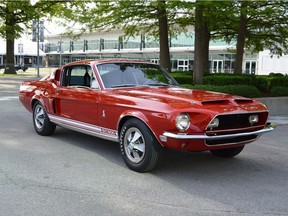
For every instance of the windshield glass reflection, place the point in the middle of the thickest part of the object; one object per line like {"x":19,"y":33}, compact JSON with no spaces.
{"x":117,"y":75}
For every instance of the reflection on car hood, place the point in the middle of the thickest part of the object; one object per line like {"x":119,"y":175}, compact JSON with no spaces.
{"x":181,"y":97}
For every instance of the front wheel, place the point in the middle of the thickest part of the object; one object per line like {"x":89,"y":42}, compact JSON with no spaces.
{"x":42,"y":124}
{"x":228,"y":152}
{"x":139,"y":148}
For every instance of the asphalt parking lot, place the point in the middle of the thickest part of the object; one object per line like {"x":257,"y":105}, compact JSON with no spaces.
{"x":75,"y":174}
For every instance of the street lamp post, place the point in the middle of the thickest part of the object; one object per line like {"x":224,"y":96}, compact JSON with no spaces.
{"x":20,"y":51}
{"x":36,"y":36}
{"x":38,"y":39}
{"x":60,"y":49}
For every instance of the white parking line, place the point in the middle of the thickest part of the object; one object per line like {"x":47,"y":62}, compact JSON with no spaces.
{"x":7,"y":98}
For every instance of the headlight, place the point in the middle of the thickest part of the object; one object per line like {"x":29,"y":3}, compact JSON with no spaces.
{"x":182,"y":122}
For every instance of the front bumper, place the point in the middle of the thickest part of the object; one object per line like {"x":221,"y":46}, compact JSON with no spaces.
{"x":269,"y":127}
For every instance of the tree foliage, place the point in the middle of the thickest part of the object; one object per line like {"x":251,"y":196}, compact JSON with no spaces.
{"x":255,"y":25}
{"x":206,"y":20}
{"x":15,"y":17}
{"x":135,"y":17}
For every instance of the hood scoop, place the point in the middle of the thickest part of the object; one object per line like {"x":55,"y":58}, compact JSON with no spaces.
{"x":243,"y":101}
{"x":215,"y":102}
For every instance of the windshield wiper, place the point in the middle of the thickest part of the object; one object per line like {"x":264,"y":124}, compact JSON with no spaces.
{"x":124,"y":85}
{"x":158,"y":84}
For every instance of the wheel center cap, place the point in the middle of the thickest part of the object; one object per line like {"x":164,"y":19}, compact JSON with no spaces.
{"x":131,"y":146}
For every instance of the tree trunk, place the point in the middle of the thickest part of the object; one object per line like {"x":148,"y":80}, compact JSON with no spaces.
{"x":241,"y":37}
{"x":206,"y":40}
{"x":10,"y":63}
{"x":10,"y":37}
{"x":198,"y":52}
{"x":163,"y":36}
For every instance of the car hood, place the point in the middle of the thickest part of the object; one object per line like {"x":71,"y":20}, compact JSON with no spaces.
{"x":184,"y":98}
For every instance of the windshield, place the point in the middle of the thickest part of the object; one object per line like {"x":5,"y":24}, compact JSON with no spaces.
{"x":115,"y":75}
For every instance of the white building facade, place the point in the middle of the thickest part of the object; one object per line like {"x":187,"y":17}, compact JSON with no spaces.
{"x":25,"y":52}
{"x":61,"y":50}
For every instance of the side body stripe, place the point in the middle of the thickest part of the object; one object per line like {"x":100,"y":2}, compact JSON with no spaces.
{"x":104,"y":133}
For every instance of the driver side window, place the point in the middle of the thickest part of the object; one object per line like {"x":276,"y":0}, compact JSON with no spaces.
{"x":79,"y":75}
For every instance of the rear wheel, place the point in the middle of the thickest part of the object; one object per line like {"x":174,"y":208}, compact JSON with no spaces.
{"x":42,"y":124}
{"x":139,"y":148}
{"x":227,"y":153}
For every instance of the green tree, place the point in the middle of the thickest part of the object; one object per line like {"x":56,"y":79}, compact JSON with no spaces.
{"x":10,"y":29}
{"x":163,"y":35}
{"x":202,"y":38}
{"x":206,"y":19}
{"x":17,"y":16}
{"x":255,"y":25}
{"x":137,"y":17}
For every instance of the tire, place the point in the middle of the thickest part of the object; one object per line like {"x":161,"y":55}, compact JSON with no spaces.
{"x":42,"y":124}
{"x":227,"y":153}
{"x":139,"y":147}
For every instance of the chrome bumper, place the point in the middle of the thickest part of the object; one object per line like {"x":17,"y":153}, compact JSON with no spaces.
{"x":269,"y":127}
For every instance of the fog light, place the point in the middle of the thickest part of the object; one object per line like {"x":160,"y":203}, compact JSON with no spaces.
{"x":214,"y":123}
{"x":253,"y":119}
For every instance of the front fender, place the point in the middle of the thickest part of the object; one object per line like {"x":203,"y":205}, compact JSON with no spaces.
{"x":146,"y":119}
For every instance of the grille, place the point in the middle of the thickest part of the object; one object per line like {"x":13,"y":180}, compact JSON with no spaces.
{"x":233,"y":121}
{"x":236,"y":123}
{"x":239,"y":121}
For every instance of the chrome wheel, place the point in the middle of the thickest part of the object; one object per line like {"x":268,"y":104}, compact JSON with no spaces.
{"x":139,"y":147}
{"x":39,"y":117}
{"x":41,"y":121}
{"x":134,"y":145}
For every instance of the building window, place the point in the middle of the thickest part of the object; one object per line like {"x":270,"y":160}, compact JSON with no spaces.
{"x":250,"y":67}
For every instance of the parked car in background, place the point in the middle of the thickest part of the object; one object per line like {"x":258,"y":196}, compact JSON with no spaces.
{"x":139,"y":105}
{"x":17,"y":67}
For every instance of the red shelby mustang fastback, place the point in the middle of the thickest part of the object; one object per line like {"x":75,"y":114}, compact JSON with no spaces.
{"x":139,"y":105}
